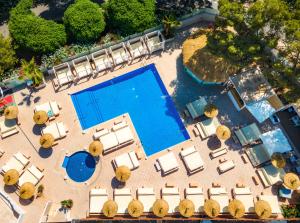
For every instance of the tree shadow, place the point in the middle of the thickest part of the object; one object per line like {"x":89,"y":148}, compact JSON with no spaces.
{"x":28,"y":98}
{"x":45,"y":153}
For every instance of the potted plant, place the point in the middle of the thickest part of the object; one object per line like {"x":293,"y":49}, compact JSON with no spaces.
{"x":67,"y":204}
{"x":40,"y":190}
{"x":30,"y":71}
{"x":170,"y":23}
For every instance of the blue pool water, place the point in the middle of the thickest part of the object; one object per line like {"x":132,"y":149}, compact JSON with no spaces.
{"x":80,"y":166}
{"x":142,"y":94}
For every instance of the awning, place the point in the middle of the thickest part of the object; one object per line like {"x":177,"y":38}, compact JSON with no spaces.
{"x":196,"y":108}
{"x":261,"y":110}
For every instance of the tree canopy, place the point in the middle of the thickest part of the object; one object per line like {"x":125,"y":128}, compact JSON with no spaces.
{"x":84,"y":21}
{"x":7,"y":55}
{"x":131,"y":16}
{"x":32,"y":32}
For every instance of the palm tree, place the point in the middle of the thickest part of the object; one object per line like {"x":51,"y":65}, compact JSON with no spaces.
{"x":29,"y":70}
{"x":170,"y":23}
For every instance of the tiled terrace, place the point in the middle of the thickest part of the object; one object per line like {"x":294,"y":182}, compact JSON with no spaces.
{"x":183,"y":89}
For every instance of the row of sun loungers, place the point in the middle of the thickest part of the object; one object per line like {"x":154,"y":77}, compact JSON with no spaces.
{"x":51,"y":108}
{"x":173,"y":197}
{"x":127,"y":159}
{"x":57,"y":129}
{"x":107,"y":58}
{"x":8,"y":127}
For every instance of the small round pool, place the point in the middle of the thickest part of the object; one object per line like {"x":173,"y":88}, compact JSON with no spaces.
{"x":80,"y":166}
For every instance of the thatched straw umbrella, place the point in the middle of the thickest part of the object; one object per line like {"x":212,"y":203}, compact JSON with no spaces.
{"x":211,"y":111}
{"x":40,"y":117}
{"x":186,"y":208}
{"x":123,"y":173}
{"x":11,"y":177}
{"x":110,"y":208}
{"x":135,"y":208}
{"x":11,"y":112}
{"x":223,"y":132}
{"x":96,"y":148}
{"x":278,"y":160}
{"x":211,"y":208}
{"x":262,"y":209}
{"x":160,"y":208}
{"x":47,"y":140}
{"x":236,"y":208}
{"x":291,"y":181}
{"x":27,"y":190}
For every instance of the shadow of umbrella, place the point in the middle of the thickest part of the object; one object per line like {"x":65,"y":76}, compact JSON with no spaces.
{"x":45,"y":153}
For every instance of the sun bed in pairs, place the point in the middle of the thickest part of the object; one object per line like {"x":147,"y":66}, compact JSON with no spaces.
{"x":167,"y":163}
{"x":271,"y":175}
{"x":127,"y":159}
{"x":192,"y":159}
{"x":32,"y":175}
{"x":244,"y":195}
{"x":57,"y":129}
{"x":119,"y":53}
{"x":101,"y":60}
{"x":155,"y":41}
{"x":63,"y":74}
{"x":248,"y":134}
{"x":220,"y":195}
{"x":207,"y":127}
{"x":258,"y":155}
{"x":218,"y":152}
{"x":50,"y":107}
{"x":195,"y":194}
{"x":137,"y":47}
{"x":227,"y":165}
{"x":122,"y":197}
{"x":273,"y":201}
{"x":98,"y":197}
{"x":172,"y":197}
{"x":124,"y":135}
{"x":147,"y":197}
{"x":8,"y":127}
{"x":82,"y":67}
{"x":18,"y":162}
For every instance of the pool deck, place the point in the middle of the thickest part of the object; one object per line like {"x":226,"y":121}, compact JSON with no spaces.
{"x":59,"y":187}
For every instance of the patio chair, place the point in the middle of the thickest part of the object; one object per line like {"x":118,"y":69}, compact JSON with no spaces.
{"x":167,"y":163}
{"x":109,"y":141}
{"x":119,"y":53}
{"x":33,"y":175}
{"x":147,"y":197}
{"x":244,"y":195}
{"x":207,"y":127}
{"x":101,"y":60}
{"x":63,"y":74}
{"x":8,"y":127}
{"x":273,"y":201}
{"x":122,"y":197}
{"x":137,"y":47}
{"x":155,"y":41}
{"x":227,"y":165}
{"x":82,"y":67}
{"x":124,"y":136}
{"x":127,"y":159}
{"x":18,"y":162}
{"x":220,"y":195}
{"x":195,"y":195}
{"x":248,"y":134}
{"x":192,"y":160}
{"x":172,"y":197}
{"x":57,"y":129}
{"x":98,"y":197}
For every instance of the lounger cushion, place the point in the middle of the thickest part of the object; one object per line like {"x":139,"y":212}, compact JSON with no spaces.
{"x":172,"y":197}
{"x":223,"y":167}
{"x":273,"y":201}
{"x":127,"y":159}
{"x":19,"y":156}
{"x":122,"y":197}
{"x":36,"y":172}
{"x":109,"y":141}
{"x":197,"y":197}
{"x":13,"y":163}
{"x":193,"y":162}
{"x":248,"y":202}
{"x":97,"y":199}
{"x":124,"y":135}
{"x":241,"y":191}
{"x":168,"y":162}
{"x":27,"y":176}
{"x":147,"y":197}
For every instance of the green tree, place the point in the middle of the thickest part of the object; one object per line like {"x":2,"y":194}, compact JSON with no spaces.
{"x":130,"y":16}
{"x":170,"y":23}
{"x":34,"y":33}
{"x":84,"y":21}
{"x":29,"y":70}
{"x":7,"y":55}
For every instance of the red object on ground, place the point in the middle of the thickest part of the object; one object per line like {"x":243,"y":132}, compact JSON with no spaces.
{"x":6,"y":101}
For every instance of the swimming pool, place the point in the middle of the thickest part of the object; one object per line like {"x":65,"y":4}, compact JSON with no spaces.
{"x":142,"y":94}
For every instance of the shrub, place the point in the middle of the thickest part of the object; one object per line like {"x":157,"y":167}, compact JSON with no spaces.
{"x":84,"y":21}
{"x":7,"y":55}
{"x":67,"y":204}
{"x":131,"y":16}
{"x":291,"y":211}
{"x":32,"y":32}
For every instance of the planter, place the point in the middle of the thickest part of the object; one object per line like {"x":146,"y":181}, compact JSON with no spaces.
{"x":40,"y":86}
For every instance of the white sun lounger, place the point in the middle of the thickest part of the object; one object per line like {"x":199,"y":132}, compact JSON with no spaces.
{"x":63,"y":74}
{"x":195,"y":195}
{"x":100,"y":133}
{"x":122,"y":197}
{"x":82,"y":67}
{"x":102,"y":60}
{"x":155,"y":41}
{"x":207,"y":127}
{"x":8,"y":127}
{"x":33,"y":175}
{"x":147,"y":197}
{"x":18,"y":162}
{"x":124,"y":135}
{"x":192,"y":159}
{"x":218,"y":152}
{"x":172,"y":197}
{"x":220,"y":195}
{"x":227,"y":165}
{"x":273,"y":201}
{"x":109,"y":142}
{"x":245,"y":196}
{"x":57,"y":129}
{"x":168,"y":163}
{"x":49,"y":107}
{"x":97,"y":199}
{"x":127,"y":159}
{"x":119,"y":53}
{"x":137,"y":47}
